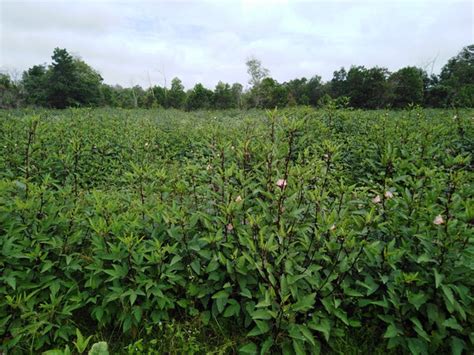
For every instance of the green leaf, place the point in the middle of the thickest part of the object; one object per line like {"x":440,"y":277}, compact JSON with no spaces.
{"x":100,"y":348}
{"x":307,"y":334}
{"x":417,"y":299}
{"x":417,"y":346}
{"x":249,"y":348}
{"x":221,"y":294}
{"x":133,"y":297}
{"x":261,"y":314}
{"x":392,"y":331}
{"x":261,"y":327}
{"x":11,"y":280}
{"x":176,"y":259}
{"x":419,"y":329}
{"x":81,"y":343}
{"x":196,"y":266}
{"x":324,"y":327}
{"x":54,"y":352}
{"x":305,"y":303}
{"x":232,"y":309}
{"x":452,"y":323}
{"x":266,"y":346}
{"x":448,"y":293}
{"x":205,"y":317}
{"x":298,"y":347}
{"x":457,"y":346}
{"x":246,"y":293}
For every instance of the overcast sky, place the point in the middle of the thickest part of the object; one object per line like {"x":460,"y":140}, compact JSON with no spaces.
{"x":138,"y":42}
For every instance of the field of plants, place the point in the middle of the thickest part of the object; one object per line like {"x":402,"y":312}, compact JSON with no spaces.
{"x":295,"y":231}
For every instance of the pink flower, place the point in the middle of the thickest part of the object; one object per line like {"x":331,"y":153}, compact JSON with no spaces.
{"x":230,"y":227}
{"x":388,"y":195}
{"x":238,"y":199}
{"x":281,"y":183}
{"x":438,"y":220}
{"x":376,"y":199}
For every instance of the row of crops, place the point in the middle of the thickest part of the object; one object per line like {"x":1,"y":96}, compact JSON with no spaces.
{"x":289,"y":228}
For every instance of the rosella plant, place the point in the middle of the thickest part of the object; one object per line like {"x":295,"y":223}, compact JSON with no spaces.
{"x":289,"y":227}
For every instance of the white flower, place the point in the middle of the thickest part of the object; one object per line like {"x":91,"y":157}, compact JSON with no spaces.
{"x":376,"y":199}
{"x":388,"y":194}
{"x":281,"y":183}
{"x":438,"y":220}
{"x":333,"y":228}
{"x":230,"y":227}
{"x":238,"y":199}
{"x":209,"y":167}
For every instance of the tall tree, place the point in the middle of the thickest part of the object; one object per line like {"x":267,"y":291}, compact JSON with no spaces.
{"x":10,"y":93}
{"x":366,"y":88}
{"x":458,"y":76}
{"x":63,"y":80}
{"x":223,"y":97}
{"x":256,"y":71}
{"x":176,"y":96}
{"x":35,"y":84}
{"x":237,"y":90}
{"x":406,"y":87}
{"x":199,"y":98}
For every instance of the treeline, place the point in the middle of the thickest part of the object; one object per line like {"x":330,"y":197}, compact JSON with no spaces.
{"x":70,"y":82}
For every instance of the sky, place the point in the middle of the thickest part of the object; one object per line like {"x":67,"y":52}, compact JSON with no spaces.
{"x":151,"y":42}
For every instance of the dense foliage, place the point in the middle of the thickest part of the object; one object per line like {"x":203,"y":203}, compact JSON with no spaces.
{"x":287,"y":229}
{"x":70,"y":82}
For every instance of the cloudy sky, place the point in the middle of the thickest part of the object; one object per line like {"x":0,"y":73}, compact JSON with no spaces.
{"x":138,"y":42}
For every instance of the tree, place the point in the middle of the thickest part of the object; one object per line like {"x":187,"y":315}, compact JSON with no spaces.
{"x":339,"y":83}
{"x":237,"y":90}
{"x":199,"y":98}
{"x":256,"y":71}
{"x":272,"y":94}
{"x":10,"y":94}
{"x":298,"y":93}
{"x":62,"y":81}
{"x":406,"y":86}
{"x":366,"y":88}
{"x":35,"y":84}
{"x":66,"y":82}
{"x":458,"y":76}
{"x":88,"y":86}
{"x":223,"y":96}
{"x":176,"y":96}
{"x":314,"y":90}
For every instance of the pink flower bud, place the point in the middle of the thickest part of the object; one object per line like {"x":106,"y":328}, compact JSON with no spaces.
{"x":388,"y":195}
{"x":229,"y":227}
{"x":281,"y":183}
{"x":376,"y":199}
{"x":438,"y":220}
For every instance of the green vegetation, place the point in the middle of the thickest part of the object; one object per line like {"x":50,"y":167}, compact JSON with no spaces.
{"x":295,"y":231}
{"x":70,"y":82}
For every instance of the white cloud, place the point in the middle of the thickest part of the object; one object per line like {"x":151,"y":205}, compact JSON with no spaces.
{"x":207,"y":41}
